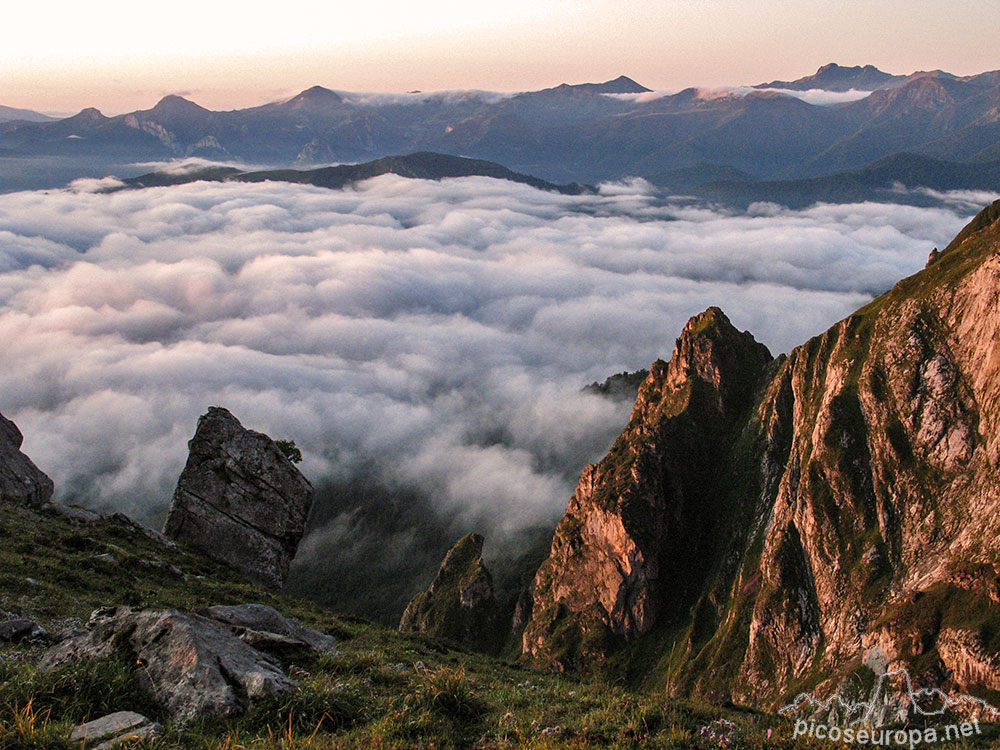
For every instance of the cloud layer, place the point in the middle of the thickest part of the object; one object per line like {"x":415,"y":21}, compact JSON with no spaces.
{"x":435,"y":333}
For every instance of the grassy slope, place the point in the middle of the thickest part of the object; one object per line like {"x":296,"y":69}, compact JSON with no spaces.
{"x":386,"y":689}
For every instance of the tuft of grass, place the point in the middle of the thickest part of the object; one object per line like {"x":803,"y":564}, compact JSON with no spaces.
{"x":27,"y":727}
{"x":448,"y":692}
{"x":308,"y":711}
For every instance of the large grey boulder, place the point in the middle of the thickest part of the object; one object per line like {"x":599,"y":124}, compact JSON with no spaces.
{"x":240,"y":500}
{"x":21,"y":481}
{"x":196,"y":667}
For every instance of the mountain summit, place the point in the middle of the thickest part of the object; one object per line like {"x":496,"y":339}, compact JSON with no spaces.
{"x":833,"y":77}
{"x":316,"y":96}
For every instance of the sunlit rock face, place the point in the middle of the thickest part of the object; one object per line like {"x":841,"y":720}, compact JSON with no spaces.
{"x":762,"y":524}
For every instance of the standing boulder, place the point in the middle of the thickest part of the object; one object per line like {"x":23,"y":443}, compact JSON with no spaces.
{"x":21,"y":482}
{"x":240,"y":500}
{"x":460,"y":605}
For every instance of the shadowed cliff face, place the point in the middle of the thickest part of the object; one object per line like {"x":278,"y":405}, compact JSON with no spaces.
{"x":760,"y":528}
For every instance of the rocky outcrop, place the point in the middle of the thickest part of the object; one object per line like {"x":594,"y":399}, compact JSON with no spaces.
{"x":763,"y":525}
{"x":460,"y":605}
{"x":21,"y":481}
{"x":631,"y":546}
{"x":196,"y":666}
{"x":240,"y":500}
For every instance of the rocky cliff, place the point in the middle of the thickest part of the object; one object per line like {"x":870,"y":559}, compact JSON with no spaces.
{"x":21,"y":482}
{"x":460,"y":604}
{"x":240,"y":500}
{"x":762,"y":527}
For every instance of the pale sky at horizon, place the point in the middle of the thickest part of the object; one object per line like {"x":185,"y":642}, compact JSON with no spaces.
{"x":119,"y":55}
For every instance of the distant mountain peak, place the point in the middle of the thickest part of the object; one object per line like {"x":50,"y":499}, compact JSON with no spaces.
{"x":620,"y":85}
{"x":172,"y":104}
{"x":13,"y":113}
{"x":90,"y":114}
{"x":624,"y":85}
{"x":835,"y":68}
{"x":315,"y":96}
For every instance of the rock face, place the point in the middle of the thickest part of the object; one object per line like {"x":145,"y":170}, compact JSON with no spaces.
{"x":460,"y":605}
{"x":196,"y":666}
{"x":240,"y":500}
{"x":816,"y":518}
{"x":21,"y":481}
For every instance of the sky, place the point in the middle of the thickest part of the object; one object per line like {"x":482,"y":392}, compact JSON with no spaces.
{"x":120,"y":55}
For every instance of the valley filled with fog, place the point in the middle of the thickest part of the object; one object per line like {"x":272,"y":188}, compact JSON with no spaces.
{"x":417,"y":339}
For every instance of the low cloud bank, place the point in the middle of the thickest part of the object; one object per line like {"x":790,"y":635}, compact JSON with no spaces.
{"x":433,"y":334}
{"x":818,"y":97}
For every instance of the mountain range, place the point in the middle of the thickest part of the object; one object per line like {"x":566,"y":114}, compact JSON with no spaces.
{"x":582,"y":133}
{"x":26,"y":115}
{"x":888,"y":180}
{"x":421,"y":165}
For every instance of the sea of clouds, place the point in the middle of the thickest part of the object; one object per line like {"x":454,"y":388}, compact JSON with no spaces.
{"x":435,"y":333}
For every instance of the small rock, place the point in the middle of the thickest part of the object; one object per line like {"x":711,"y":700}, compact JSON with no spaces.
{"x":116,"y":729}
{"x":197,"y":667}
{"x":22,"y":631}
{"x":265,"y":625}
{"x":70,"y":632}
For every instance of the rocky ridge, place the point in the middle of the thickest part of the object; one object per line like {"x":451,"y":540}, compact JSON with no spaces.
{"x":763,"y":526}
